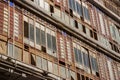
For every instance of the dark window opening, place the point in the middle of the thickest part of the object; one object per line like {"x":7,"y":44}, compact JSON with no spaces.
{"x":26,"y":47}
{"x":26,"y":29}
{"x":78,"y":76}
{"x":76,"y":24}
{"x":87,"y":78}
{"x":95,"y":36}
{"x":43,"y":49}
{"x":71,"y":13}
{"x":84,"y":29}
{"x":91,"y":33}
{"x":51,"y":9}
{"x":82,"y":76}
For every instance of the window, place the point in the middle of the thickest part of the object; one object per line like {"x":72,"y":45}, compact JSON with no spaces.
{"x":51,"y":42}
{"x":47,"y":7}
{"x":6,"y":20}
{"x":26,"y":29}
{"x":79,"y":8}
{"x":16,"y":24}
{"x":38,"y":62}
{"x":86,"y":13}
{"x":110,"y":69}
{"x":37,"y":36}
{"x":114,"y":32}
{"x":10,"y":50}
{"x":40,"y":36}
{"x":76,"y":23}
{"x":33,"y":59}
{"x":43,"y":37}
{"x":84,"y":29}
{"x":57,"y":12}
{"x":78,"y":54}
{"x":102,"y":23}
{"x":94,"y":64}
{"x":80,"y":26}
{"x":86,"y":60}
{"x":62,"y":72}
{"x":55,"y":70}
{"x":17,"y":53}
{"x":26,"y":57}
{"x":66,"y":18}
{"x":41,"y":3}
{"x":31,"y":32}
{"x":44,"y":64}
{"x":50,"y":67}
{"x":72,"y":5}
{"x":73,"y":75}
{"x":72,"y":23}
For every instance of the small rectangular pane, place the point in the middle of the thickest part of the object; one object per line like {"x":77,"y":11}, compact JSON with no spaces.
{"x":38,"y":62}
{"x":10,"y":50}
{"x":43,"y":39}
{"x":54,"y":43}
{"x":17,"y":53}
{"x":49,"y":43}
{"x":37,"y":36}
{"x":44,"y":64}
{"x":31,"y":32}
{"x":26,"y":29}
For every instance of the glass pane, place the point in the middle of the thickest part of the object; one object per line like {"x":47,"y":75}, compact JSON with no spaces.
{"x":49,"y":38}
{"x":37,"y":36}
{"x":38,"y":62}
{"x":50,"y":67}
{"x":80,"y":56}
{"x":62,"y":72}
{"x":43,"y":39}
{"x":10,"y":50}
{"x":44,"y":64}
{"x":54,"y":43}
{"x":17,"y":53}
{"x":31,"y":32}
{"x":26,"y":29}
{"x":76,"y":54}
{"x":55,"y":68}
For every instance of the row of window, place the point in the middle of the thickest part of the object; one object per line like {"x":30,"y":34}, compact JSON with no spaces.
{"x":34,"y":34}
{"x":36,"y":61}
{"x":39,"y":34}
{"x":77,"y":7}
{"x":84,"y":59}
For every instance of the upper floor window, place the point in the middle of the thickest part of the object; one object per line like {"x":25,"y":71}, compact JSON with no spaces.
{"x":51,"y":42}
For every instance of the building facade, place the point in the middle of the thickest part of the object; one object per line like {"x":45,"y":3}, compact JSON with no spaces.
{"x":59,"y":40}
